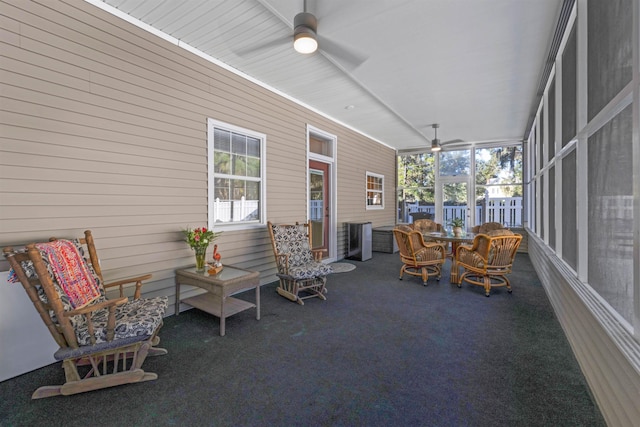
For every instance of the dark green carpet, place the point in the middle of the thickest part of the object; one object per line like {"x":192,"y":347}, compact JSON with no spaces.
{"x":378,"y":352}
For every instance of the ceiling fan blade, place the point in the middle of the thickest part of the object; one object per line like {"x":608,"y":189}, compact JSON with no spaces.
{"x":281,"y":41}
{"x":341,"y":53}
{"x":453,"y":141}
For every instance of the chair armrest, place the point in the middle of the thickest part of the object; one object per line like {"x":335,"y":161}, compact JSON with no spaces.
{"x":95,"y":307}
{"x":467,"y":256}
{"x":432,"y":244}
{"x":137,"y":280}
{"x":317,"y":254}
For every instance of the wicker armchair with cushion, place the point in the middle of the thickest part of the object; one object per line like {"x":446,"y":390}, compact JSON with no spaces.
{"x":103,"y":342}
{"x":419,"y":258}
{"x":487,"y":227}
{"x":426,"y":225}
{"x":489,"y":260}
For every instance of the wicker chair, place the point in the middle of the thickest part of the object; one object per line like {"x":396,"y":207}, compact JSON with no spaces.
{"x":487,"y":227}
{"x":419,"y":258}
{"x":103,"y":342}
{"x":426,"y":225}
{"x":300,"y":270}
{"x":487,"y":262}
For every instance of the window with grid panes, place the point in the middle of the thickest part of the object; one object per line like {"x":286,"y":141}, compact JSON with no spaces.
{"x":375,"y":191}
{"x":235,"y":175}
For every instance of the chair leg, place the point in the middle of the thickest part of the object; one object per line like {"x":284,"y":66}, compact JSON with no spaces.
{"x":459,"y":281}
{"x":487,"y":285}
{"x":506,"y":281}
{"x":425,"y":276}
{"x":402,"y":271}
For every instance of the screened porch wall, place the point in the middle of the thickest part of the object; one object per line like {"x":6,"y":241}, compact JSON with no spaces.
{"x":583,"y":187}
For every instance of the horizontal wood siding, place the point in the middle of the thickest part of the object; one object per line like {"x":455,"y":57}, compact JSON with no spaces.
{"x":103,"y":126}
{"x":357,"y":157}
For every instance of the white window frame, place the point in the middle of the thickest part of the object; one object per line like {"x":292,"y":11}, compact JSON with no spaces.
{"x":238,"y":225}
{"x":368,"y":190}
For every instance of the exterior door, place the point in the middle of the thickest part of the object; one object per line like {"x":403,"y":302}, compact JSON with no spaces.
{"x":454,"y":196}
{"x":319,"y":212}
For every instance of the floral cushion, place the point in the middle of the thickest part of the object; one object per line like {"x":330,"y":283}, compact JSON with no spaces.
{"x":139,"y":317}
{"x":310,"y":270}
{"x":293,"y":240}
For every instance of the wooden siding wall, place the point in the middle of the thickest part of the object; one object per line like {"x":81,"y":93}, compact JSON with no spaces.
{"x":104,"y":127}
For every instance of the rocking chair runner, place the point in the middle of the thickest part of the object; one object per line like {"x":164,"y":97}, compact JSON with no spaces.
{"x":103,"y":343}
{"x":302,"y":275}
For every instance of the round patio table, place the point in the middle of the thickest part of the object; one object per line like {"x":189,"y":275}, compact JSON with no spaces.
{"x":465,"y":237}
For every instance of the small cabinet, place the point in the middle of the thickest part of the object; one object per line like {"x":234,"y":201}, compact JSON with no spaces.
{"x":383,"y":240}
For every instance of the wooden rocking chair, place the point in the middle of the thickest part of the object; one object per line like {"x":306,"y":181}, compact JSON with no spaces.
{"x":103,"y":343}
{"x":300,"y":270}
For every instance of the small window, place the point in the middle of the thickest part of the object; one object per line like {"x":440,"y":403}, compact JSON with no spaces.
{"x":236,"y":170}
{"x":375,"y":191}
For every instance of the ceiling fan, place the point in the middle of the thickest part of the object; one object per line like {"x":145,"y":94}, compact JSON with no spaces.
{"x":436,"y":144}
{"x":306,"y":40}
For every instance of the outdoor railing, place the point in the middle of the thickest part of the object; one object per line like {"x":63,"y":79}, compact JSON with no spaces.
{"x":505,"y":210}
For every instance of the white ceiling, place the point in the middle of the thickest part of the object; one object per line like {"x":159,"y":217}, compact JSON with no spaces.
{"x":472,"y":66}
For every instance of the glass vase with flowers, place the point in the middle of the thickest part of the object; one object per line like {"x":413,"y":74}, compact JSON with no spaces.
{"x":199,"y":240}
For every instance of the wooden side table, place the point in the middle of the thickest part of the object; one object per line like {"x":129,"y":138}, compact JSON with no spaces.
{"x":217,"y":300}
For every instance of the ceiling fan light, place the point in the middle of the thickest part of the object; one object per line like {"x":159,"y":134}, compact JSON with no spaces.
{"x":305,"y":42}
{"x":435,"y":145}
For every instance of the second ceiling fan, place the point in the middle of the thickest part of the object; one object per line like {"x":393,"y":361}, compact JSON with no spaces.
{"x":436,"y":144}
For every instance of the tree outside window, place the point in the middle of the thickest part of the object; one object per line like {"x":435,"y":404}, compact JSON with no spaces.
{"x":236,"y":183}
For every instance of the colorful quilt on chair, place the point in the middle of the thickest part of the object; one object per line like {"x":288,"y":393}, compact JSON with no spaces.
{"x":71,"y":272}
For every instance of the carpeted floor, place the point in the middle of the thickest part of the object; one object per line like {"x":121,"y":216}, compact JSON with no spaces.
{"x":378,"y":352}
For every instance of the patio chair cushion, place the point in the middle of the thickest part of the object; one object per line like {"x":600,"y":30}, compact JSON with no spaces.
{"x":139,"y":317}
{"x":293,"y":240}
{"x":310,"y":270}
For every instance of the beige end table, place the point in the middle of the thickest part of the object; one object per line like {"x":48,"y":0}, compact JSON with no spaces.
{"x":217,"y":300}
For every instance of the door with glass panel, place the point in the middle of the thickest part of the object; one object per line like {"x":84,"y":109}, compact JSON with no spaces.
{"x":455,"y":201}
{"x":453,"y":192}
{"x":319,"y":204}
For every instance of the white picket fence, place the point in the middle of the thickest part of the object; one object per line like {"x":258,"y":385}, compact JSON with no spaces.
{"x":235,"y":210}
{"x":505,"y":210}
